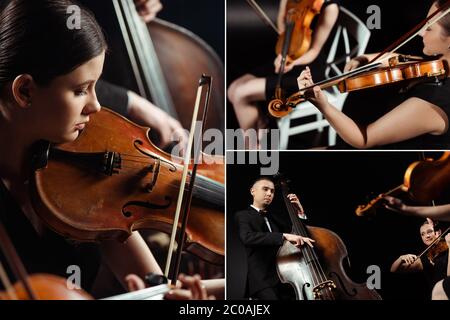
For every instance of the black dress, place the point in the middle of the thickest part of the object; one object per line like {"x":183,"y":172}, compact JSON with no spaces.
{"x":438,"y":271}
{"x":46,"y":253}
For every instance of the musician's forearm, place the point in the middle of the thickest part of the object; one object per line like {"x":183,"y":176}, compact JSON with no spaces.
{"x":347,"y":129}
{"x":215,"y":287}
{"x":441,"y":212}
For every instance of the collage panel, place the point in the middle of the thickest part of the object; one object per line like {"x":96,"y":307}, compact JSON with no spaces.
{"x":99,"y":197}
{"x":337,"y":226}
{"x":336,"y":74}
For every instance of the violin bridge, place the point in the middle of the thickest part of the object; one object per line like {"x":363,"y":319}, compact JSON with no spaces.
{"x":436,"y":74}
{"x":155,"y":169}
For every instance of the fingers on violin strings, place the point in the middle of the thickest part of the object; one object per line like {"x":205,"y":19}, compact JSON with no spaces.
{"x":200,"y":292}
{"x":134,"y":283}
{"x":194,"y":284}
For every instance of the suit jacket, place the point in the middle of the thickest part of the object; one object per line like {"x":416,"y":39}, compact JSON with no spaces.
{"x":261,"y":246}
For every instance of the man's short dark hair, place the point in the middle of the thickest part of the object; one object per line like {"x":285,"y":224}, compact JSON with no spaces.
{"x":260,"y":178}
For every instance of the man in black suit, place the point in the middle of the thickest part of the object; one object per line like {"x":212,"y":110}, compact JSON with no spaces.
{"x":262,"y":238}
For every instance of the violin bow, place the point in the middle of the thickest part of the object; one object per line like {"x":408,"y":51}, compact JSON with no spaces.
{"x":429,"y":21}
{"x":204,"y":81}
{"x":152,"y":293}
{"x":260,"y":12}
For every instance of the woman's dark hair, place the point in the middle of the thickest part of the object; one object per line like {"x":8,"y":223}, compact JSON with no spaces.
{"x":445,"y":21}
{"x":36,"y":38}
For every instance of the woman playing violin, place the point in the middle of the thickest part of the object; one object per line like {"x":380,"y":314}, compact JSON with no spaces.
{"x":48,"y":74}
{"x":441,"y":289}
{"x":435,"y":267}
{"x":245,"y":92}
{"x":419,"y":121}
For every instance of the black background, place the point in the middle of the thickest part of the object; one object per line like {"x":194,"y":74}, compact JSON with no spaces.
{"x":330,"y":185}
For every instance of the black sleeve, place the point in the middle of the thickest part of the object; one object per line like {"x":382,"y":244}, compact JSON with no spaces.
{"x":250,"y":237}
{"x":112,"y":97}
{"x":446,"y":285}
{"x":437,"y":94}
{"x":426,"y":264}
{"x":327,"y":3}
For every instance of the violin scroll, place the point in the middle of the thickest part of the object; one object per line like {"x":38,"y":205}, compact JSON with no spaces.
{"x":369,"y":209}
{"x":278,"y":109}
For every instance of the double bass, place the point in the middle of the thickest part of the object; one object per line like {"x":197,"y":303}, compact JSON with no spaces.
{"x":162,"y":62}
{"x":317,"y":273}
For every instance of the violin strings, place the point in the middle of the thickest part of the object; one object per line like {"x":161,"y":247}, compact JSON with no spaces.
{"x":205,"y":187}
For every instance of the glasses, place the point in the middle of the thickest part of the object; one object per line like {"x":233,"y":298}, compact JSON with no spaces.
{"x":426,"y":233}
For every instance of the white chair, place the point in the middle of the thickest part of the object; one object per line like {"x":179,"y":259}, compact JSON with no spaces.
{"x":348,"y":25}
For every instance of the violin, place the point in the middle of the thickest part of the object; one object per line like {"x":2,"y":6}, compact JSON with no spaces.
{"x":370,"y":77}
{"x":373,"y":74}
{"x":317,"y":273}
{"x":113,"y":180}
{"x":51,"y":287}
{"x":435,"y":249}
{"x":438,"y":248}
{"x":296,"y":39}
{"x":44,"y":287}
{"x":299,"y":16}
{"x":424,"y":181}
{"x":164,"y":59}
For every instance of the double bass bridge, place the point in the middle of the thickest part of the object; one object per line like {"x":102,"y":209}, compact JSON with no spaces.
{"x":326,"y":285}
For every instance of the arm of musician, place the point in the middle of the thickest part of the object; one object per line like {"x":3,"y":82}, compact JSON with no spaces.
{"x":294,"y":199}
{"x":410,"y":119}
{"x":145,"y":113}
{"x":148,"y":9}
{"x":253,"y":238}
{"x":130,"y":257}
{"x":215,"y":287}
{"x":192,"y":288}
{"x":440,"y":212}
{"x":407,"y":263}
{"x":281,"y":16}
{"x":297,"y":240}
